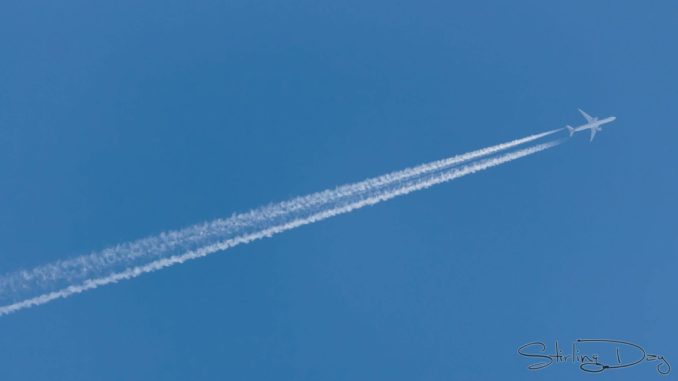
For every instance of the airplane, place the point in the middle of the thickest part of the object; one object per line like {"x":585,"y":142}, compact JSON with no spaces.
{"x":592,"y":123}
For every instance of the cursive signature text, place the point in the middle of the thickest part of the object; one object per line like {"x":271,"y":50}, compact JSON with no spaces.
{"x":593,"y":355}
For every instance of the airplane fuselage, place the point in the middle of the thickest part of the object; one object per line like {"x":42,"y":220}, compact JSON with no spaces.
{"x":594,"y":124}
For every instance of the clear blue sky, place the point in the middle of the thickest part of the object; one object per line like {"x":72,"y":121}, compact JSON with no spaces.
{"x":122,"y":119}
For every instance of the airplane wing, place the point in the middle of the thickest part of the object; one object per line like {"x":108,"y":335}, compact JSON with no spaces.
{"x":593,"y":133}
{"x":588,"y":117}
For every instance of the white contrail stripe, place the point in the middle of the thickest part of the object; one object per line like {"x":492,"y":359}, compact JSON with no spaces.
{"x":442,"y":177}
{"x":87,"y":266}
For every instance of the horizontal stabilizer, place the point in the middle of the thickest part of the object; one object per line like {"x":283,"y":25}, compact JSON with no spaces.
{"x":571,"y":129}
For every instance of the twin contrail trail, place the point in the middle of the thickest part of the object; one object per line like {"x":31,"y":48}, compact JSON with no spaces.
{"x":60,"y":279}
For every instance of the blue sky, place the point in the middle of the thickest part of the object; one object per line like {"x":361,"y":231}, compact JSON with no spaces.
{"x":120,"y":120}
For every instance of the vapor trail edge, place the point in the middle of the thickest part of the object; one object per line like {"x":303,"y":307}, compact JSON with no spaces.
{"x":424,"y":183}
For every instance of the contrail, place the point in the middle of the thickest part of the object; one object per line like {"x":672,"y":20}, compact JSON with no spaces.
{"x":88,"y":272}
{"x":125,"y":255}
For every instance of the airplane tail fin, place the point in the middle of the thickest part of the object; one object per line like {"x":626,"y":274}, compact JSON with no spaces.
{"x":571,"y":129}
